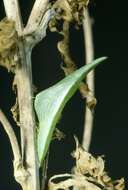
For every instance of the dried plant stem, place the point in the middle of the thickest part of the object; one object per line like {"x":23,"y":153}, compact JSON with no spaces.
{"x":27,"y":119}
{"x":89,"y":51}
{"x":36,"y":15}
{"x":28,"y":173}
{"x":13,"y":12}
{"x":13,"y":140}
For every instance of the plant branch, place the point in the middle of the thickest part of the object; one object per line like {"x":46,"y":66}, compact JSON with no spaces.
{"x":13,"y":140}
{"x":36,"y":15}
{"x":35,"y":35}
{"x":23,"y":80}
{"x":89,"y":51}
{"x":13,"y":12}
{"x":27,"y":172}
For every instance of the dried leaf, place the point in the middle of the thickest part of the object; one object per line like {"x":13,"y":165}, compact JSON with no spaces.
{"x":57,"y":134}
{"x":15,"y":112}
{"x":70,"y":11}
{"x":63,"y":10}
{"x":86,"y":163}
{"x":93,"y":168}
{"x":87,"y":93}
{"x":77,"y":181}
{"x":8,"y":44}
{"x":89,"y":174}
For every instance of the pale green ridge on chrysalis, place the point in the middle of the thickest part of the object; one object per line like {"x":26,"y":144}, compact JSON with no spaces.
{"x":50,"y":103}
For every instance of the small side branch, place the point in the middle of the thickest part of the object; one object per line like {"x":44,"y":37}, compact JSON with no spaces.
{"x":89,"y":51}
{"x":13,"y":140}
{"x":36,"y":15}
{"x":35,"y":35}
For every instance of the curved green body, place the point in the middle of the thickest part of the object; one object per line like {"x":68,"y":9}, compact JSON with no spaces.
{"x":50,"y":103}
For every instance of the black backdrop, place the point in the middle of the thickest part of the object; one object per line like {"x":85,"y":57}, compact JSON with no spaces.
{"x":110,"y":125}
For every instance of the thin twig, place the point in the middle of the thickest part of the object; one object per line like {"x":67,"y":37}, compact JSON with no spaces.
{"x":36,"y":15}
{"x":89,"y":52}
{"x":12,"y":137}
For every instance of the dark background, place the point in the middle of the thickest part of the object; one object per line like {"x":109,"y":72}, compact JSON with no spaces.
{"x":110,"y":134}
